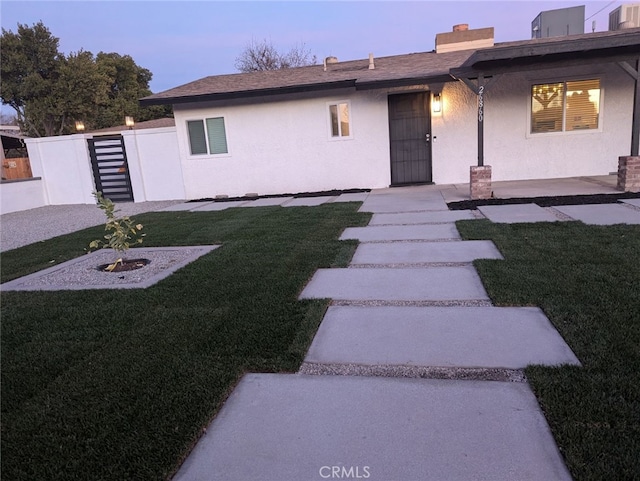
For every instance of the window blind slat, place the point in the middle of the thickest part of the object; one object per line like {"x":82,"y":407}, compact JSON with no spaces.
{"x":197,"y":140}
{"x":217,"y":136}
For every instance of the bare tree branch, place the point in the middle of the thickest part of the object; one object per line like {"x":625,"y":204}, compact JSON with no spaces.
{"x":259,"y":56}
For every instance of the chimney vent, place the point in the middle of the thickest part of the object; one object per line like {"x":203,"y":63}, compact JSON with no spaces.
{"x":371,"y":64}
{"x":331,"y":60}
{"x":464,"y":39}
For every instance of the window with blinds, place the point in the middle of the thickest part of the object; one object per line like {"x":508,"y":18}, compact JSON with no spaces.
{"x":565,"y":106}
{"x":209,"y":140}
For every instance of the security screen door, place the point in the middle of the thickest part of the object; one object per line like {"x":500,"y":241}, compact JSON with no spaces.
{"x":410,"y":138}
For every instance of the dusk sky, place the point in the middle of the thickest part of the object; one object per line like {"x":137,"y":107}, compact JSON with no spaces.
{"x":182,"y":41}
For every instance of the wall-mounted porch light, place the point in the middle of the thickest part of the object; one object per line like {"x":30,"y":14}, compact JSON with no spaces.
{"x":79,"y":126}
{"x":436,"y":104}
{"x":128,"y":120}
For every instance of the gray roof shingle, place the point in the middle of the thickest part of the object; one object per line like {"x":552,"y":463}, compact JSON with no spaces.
{"x":397,"y":70}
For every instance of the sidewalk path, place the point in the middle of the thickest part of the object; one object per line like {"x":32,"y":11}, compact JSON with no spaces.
{"x":410,"y":308}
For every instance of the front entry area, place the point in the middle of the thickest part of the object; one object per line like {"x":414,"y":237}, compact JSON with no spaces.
{"x":410,"y":138}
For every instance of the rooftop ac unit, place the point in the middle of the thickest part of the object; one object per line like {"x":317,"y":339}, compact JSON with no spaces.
{"x":625,"y":16}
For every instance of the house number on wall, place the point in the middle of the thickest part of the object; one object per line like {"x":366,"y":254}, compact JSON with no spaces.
{"x":481,"y":103}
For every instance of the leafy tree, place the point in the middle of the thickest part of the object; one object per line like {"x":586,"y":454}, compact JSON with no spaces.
{"x":28,"y":68}
{"x":78,"y":89}
{"x":263,"y":55}
{"x":128,"y":82}
{"x":50,"y":91}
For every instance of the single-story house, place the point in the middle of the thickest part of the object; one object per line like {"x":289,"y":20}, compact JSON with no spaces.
{"x":534,"y":109}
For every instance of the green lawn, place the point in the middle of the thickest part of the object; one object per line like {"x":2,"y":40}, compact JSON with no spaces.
{"x":587,"y":281}
{"x":118,"y":384}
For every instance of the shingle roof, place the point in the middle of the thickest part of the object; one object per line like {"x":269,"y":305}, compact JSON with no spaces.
{"x":397,"y":70}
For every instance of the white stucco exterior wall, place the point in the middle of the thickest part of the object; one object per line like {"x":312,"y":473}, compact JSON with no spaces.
{"x":64,"y":165}
{"x":509,"y":147}
{"x":21,"y":195}
{"x":285,"y":147}
{"x":154,"y":164}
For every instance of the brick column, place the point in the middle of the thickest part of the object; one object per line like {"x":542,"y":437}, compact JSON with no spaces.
{"x":480,"y":184}
{"x":629,"y":174}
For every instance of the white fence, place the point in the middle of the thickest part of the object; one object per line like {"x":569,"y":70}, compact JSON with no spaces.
{"x":62,"y":170}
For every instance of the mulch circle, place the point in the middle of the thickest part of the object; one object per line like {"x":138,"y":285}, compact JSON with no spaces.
{"x":548,"y":201}
{"x":126,"y":265}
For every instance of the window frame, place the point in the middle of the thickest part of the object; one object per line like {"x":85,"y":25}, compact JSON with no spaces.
{"x":564,"y":81}
{"x":337,"y":103}
{"x":203,"y":122}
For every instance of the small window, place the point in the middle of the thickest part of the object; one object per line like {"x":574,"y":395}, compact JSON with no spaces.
{"x":565,"y":106}
{"x":211,"y":141}
{"x":339,"y":116}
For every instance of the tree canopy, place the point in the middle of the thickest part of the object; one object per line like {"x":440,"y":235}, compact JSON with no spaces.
{"x":50,"y":91}
{"x":263,"y":55}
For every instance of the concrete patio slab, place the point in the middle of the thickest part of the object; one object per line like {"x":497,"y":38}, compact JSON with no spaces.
{"x":474,"y":337}
{"x":268,"y":202}
{"x":421,"y":217}
{"x":401,"y":232}
{"x":425,"y":252}
{"x":290,"y":427}
{"x":308,"y":201}
{"x":601,"y":214}
{"x":511,"y":214}
{"x":424,"y":284}
{"x":634,"y":202}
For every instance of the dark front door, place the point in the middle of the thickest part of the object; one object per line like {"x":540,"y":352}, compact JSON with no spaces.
{"x":410,"y":138}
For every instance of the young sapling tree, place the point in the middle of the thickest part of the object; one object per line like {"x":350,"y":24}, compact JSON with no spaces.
{"x":122,"y":232}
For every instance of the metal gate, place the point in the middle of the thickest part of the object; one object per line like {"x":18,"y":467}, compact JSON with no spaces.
{"x":110,"y":167}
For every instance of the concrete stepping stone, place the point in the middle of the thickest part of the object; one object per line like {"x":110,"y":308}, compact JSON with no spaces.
{"x":425,"y":252}
{"x":421,"y":217}
{"x":412,"y":284}
{"x":511,"y":214}
{"x":351,"y":197}
{"x":268,"y":202}
{"x":473,"y":337}
{"x":634,"y":202}
{"x":184,"y":206}
{"x":399,"y":201}
{"x":389,"y":233}
{"x":217,"y":206}
{"x":601,"y":214}
{"x":290,"y":427}
{"x":307,"y":201}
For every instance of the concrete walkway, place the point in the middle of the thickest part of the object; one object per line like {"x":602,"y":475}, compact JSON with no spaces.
{"x":409,"y":305}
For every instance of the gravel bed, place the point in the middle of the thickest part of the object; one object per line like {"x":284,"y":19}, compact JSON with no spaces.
{"x":83,"y":273}
{"x":558,"y":214}
{"x":18,"y":229}
{"x":423,"y":372}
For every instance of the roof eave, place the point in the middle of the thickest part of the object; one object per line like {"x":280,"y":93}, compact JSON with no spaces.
{"x":404,"y":82}
{"x":242,"y":94}
{"x":565,"y":53}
